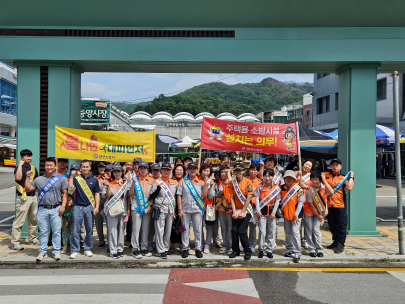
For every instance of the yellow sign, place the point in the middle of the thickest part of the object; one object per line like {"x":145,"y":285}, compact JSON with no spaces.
{"x":104,"y":145}
{"x":9,"y":162}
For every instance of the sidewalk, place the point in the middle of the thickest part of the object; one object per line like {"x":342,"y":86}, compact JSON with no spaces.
{"x":383,"y":248}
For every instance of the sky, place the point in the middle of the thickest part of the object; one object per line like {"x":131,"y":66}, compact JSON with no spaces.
{"x":138,"y":87}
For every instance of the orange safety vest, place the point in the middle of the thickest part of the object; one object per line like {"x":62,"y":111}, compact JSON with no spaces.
{"x":227,"y":195}
{"x":290,"y":208}
{"x":324,"y":196}
{"x":256,"y":182}
{"x":337,"y":200}
{"x":265,"y":191}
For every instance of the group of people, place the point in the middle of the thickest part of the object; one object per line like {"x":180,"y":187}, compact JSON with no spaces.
{"x":158,"y":203}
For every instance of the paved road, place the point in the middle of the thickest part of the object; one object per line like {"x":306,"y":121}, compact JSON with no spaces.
{"x":199,"y":286}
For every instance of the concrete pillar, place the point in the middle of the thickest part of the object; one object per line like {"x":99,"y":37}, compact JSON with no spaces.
{"x":63,"y":106}
{"x":12,"y":131}
{"x":357,"y":143}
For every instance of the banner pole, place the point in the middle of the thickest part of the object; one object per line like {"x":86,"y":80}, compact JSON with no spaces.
{"x":299,"y":147}
{"x":199,"y":159}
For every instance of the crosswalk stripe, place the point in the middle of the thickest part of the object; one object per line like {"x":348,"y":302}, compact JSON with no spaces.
{"x":84,"y":279}
{"x":399,"y":275}
{"x":84,"y":298}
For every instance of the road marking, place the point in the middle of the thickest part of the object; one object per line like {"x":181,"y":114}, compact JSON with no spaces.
{"x":84,"y":279}
{"x":387,"y":196}
{"x":7,"y":202}
{"x":324,"y":269}
{"x":84,"y":298}
{"x":398,"y":275}
{"x":6,"y":225}
{"x":8,"y":218}
{"x":243,"y":287}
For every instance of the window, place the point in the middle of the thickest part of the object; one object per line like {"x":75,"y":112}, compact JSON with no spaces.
{"x":327,"y":102}
{"x":321,"y":75}
{"x":319,"y":105}
{"x":336,"y":101}
{"x":382,"y":89}
{"x":307,"y":112}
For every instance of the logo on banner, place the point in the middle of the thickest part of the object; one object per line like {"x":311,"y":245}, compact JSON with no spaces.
{"x":289,"y":135}
{"x":217,"y":132}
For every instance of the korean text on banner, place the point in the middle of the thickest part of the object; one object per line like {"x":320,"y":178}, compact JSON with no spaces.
{"x":227,"y":135}
{"x":104,"y":145}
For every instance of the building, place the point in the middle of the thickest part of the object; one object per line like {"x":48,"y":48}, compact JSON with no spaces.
{"x":182,"y":124}
{"x":275,"y":117}
{"x":307,"y":110}
{"x":326,"y":102}
{"x":295,"y":112}
{"x":8,"y":100}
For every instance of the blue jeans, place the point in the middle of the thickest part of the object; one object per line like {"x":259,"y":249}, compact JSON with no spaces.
{"x":44,"y":218}
{"x":81,"y":214}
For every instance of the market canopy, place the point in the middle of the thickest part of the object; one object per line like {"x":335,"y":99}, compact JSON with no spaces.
{"x":383,"y":134}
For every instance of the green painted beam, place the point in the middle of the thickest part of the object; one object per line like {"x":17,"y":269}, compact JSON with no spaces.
{"x":28,"y":108}
{"x":203,"y":13}
{"x":357,"y":149}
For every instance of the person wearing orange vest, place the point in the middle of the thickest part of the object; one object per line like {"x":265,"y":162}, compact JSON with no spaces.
{"x":337,"y":217}
{"x":267,"y":215}
{"x":139,"y":239}
{"x":313,"y":219}
{"x":292,"y":212}
{"x":224,"y":207}
{"x":240,"y":214}
{"x":253,"y":171}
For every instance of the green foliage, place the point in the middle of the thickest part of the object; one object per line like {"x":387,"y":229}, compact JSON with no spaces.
{"x":303,"y":86}
{"x":218,"y":97}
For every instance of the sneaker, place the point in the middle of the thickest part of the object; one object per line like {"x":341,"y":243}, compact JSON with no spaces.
{"x":223,"y":250}
{"x":34,"y":242}
{"x":270,"y":255}
{"x":120,"y":254}
{"x":184,"y":254}
{"x":198,"y":254}
{"x":163,"y":255}
{"x":64,"y":250}
{"x":331,"y":246}
{"x":288,"y":254}
{"x":234,"y":255}
{"x":296,"y":259}
{"x":88,"y":253}
{"x":114,"y":256}
{"x":305,"y":244}
{"x":74,"y":255}
{"x":136,"y":254}
{"x":319,"y":254}
{"x":206,"y":248}
{"x":41,"y":256}
{"x":312,"y":254}
{"x":101,"y":245}
{"x":261,"y":254}
{"x":17,"y":247}
{"x":253,"y":249}
{"x":248,"y":255}
{"x":146,"y":253}
{"x":230,"y":251}
{"x":57,"y":256}
{"x":339,"y":248}
{"x":241,"y":249}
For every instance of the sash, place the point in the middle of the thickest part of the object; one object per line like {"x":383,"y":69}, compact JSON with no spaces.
{"x":319,"y":203}
{"x":21,"y":189}
{"x":277,"y":178}
{"x":86,"y":190}
{"x":229,"y":205}
{"x":306,"y":177}
{"x":289,"y":195}
{"x":67,"y":173}
{"x":339,"y":184}
{"x":46,"y":188}
{"x":273,"y":193}
{"x":241,"y":197}
{"x":116,"y":197}
{"x":169,"y":194}
{"x":193,"y":191}
{"x":142,"y":204}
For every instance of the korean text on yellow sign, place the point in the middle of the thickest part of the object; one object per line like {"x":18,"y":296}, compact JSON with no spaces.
{"x":104,"y":145}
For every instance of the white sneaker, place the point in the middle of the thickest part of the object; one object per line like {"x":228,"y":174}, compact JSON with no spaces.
{"x":88,"y":253}
{"x":34,"y":242}
{"x":241,"y":249}
{"x":57,"y":256}
{"x":206,"y":248}
{"x":305,"y":245}
{"x":41,"y":256}
{"x":230,"y":251}
{"x":74,"y":255}
{"x":253,"y":250}
{"x":223,"y":250}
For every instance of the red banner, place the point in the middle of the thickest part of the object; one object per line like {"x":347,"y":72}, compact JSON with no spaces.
{"x":217,"y":134}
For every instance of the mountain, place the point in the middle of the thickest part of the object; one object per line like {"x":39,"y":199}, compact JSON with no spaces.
{"x":218,"y":97}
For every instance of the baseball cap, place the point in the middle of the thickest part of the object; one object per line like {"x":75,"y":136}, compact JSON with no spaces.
{"x":336,"y":160}
{"x":74,"y":167}
{"x":166,"y":166}
{"x":138,"y":160}
{"x":117,"y":168}
{"x":192,"y":165}
{"x":155,"y":167}
{"x":109,"y":167}
{"x":101,"y":164}
{"x":143,"y":164}
{"x":238,"y":166}
{"x":290,"y":173}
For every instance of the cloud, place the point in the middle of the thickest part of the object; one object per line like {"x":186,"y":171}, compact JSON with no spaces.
{"x":90,"y":89}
